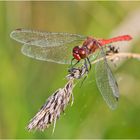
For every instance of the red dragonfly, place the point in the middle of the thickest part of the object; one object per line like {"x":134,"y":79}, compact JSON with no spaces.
{"x":64,"y":47}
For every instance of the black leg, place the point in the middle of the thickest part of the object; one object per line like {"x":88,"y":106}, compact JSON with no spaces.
{"x":87,"y":70}
{"x":86,"y":66}
{"x":89,"y":63}
{"x":72,"y":61}
{"x":72,"y":65}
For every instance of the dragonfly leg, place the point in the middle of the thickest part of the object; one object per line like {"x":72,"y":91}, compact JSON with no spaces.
{"x":89,"y":63}
{"x":72,"y":65}
{"x":71,"y":61}
{"x":86,"y":65}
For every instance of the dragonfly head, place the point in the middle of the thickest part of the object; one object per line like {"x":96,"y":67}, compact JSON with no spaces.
{"x":76,"y":53}
{"x":79,"y":53}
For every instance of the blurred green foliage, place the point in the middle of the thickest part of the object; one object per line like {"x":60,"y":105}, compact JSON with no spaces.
{"x":25,"y":83}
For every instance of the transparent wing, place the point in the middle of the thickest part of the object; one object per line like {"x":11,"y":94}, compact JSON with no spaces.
{"x":106,"y":82}
{"x":44,"y":39}
{"x":61,"y":54}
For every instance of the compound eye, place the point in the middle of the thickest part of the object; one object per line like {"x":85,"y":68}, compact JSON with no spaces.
{"x":76,"y":56}
{"x":75,"y":49}
{"x":76,"y":53}
{"x":82,"y":53}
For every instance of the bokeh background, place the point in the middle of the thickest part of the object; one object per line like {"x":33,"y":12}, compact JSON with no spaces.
{"x":25,"y":83}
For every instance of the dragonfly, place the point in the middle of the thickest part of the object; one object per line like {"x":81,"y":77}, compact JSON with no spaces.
{"x":63,"y":48}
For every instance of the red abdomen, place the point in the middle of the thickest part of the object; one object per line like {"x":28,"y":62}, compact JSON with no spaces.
{"x":115,"y":39}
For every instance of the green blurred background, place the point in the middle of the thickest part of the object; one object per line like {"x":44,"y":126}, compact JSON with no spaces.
{"x":26,"y":83}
